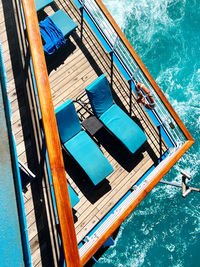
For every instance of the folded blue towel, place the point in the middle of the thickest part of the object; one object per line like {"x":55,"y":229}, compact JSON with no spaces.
{"x":51,"y":35}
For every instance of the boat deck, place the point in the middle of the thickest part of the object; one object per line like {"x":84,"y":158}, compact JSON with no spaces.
{"x":71,"y":69}
{"x":78,"y":64}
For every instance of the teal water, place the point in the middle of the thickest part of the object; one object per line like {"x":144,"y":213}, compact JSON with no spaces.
{"x":165,"y":228}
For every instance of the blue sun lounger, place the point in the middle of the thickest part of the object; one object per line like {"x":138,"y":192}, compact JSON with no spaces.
{"x":63,"y":22}
{"x":112,"y":116}
{"x":54,"y":29}
{"x":40,"y":4}
{"x":60,"y":17}
{"x":78,"y":143}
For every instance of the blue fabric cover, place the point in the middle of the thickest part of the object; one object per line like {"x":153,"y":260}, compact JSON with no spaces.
{"x":68,"y":121}
{"x":74,"y":199}
{"x":40,"y":4}
{"x":113,"y":117}
{"x":124,"y":128}
{"x":100,"y":95}
{"x":80,"y":145}
{"x":52,"y":35}
{"x":89,"y":156}
{"x":63,"y":22}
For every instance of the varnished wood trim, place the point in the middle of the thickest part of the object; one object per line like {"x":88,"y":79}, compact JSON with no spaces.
{"x":133,"y":205}
{"x":51,"y":136}
{"x":144,"y":70}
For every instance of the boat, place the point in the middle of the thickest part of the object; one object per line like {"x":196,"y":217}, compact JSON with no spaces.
{"x":70,"y":216}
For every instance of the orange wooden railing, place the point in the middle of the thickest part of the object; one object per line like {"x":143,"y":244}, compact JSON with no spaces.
{"x":134,"y":204}
{"x":64,"y":210}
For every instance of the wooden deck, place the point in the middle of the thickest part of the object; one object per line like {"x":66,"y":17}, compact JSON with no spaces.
{"x":70,"y":70}
{"x":85,"y":61}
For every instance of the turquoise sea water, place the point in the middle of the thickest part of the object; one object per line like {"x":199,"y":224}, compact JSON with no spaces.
{"x":165,"y":228}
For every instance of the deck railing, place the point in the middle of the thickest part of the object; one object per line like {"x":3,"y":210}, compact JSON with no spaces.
{"x":135,"y":69}
{"x":165,"y":114}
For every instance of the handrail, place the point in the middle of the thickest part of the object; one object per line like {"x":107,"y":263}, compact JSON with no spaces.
{"x":101,"y":240}
{"x":64,"y":210}
{"x":128,"y":63}
{"x":144,"y":69}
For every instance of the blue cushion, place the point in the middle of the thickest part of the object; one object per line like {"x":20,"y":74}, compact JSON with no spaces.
{"x":40,"y":4}
{"x":67,"y":121}
{"x":64,"y":22}
{"x":74,"y":199}
{"x":124,"y":128}
{"x":89,"y":156}
{"x":100,"y":95}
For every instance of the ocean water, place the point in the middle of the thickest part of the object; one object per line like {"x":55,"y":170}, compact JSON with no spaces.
{"x":164,"y":229}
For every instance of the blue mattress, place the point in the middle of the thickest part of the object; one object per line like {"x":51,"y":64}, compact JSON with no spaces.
{"x":78,"y":143}
{"x":124,"y":128}
{"x":112,"y":116}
